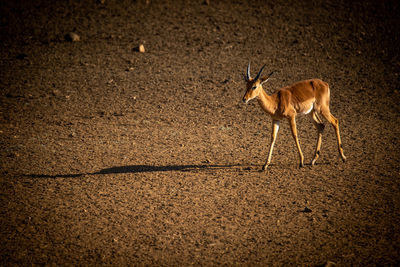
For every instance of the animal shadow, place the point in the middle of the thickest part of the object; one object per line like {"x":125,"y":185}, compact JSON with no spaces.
{"x":139,"y":169}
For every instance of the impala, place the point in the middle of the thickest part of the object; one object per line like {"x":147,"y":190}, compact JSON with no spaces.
{"x":304,"y":97}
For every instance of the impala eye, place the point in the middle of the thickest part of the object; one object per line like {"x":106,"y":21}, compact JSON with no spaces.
{"x":253,"y":88}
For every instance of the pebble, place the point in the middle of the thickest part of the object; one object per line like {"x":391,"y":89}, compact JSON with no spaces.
{"x":72,"y":37}
{"x":141,"y":48}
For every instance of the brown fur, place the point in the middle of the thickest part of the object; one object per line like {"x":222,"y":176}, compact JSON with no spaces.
{"x":309,"y":96}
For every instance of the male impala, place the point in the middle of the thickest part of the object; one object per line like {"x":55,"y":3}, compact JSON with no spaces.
{"x":304,"y":97}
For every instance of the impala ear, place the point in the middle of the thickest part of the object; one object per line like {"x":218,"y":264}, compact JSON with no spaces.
{"x":266,"y":78}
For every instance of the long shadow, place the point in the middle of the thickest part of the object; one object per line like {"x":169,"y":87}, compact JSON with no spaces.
{"x":139,"y":169}
{"x":148,"y":168}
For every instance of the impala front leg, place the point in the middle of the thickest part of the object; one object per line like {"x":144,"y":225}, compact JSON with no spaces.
{"x":275,"y":129}
{"x":292,"y":122}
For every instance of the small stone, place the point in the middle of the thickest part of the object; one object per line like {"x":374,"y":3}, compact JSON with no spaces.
{"x":72,"y":37}
{"x":141,"y":48}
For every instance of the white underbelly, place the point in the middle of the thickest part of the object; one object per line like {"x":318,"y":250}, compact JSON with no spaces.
{"x":308,"y":110}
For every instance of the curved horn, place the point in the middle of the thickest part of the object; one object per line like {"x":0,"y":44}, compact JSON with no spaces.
{"x":259,"y":73}
{"x":248,"y":72}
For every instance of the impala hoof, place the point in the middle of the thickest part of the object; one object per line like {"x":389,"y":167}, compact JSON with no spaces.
{"x":301,"y":165}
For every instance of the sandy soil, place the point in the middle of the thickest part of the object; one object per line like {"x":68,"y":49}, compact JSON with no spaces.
{"x":110,"y":156}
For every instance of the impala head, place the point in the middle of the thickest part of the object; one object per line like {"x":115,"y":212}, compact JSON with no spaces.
{"x":254,"y":86}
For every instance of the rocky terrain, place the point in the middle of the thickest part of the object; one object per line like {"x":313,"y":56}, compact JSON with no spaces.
{"x":117,"y":154}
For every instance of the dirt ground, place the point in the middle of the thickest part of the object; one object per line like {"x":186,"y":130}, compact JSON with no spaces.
{"x":110,"y":156}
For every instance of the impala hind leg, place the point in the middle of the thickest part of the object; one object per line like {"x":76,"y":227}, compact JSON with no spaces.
{"x":292,"y":122}
{"x":275,"y":129}
{"x":335,"y":123}
{"x":320,"y":129}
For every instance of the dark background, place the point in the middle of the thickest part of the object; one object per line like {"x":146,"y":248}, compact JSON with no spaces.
{"x":115,"y":157}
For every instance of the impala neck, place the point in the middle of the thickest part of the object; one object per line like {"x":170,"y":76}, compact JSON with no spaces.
{"x":268,"y":103}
